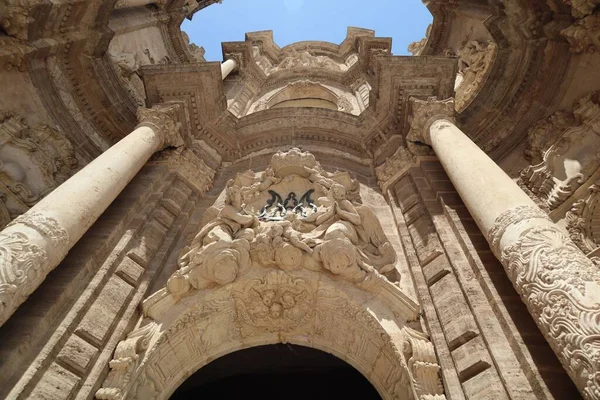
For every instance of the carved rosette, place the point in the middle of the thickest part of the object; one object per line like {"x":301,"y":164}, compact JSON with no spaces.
{"x":561,"y":288}
{"x":423,"y":113}
{"x":164,"y":121}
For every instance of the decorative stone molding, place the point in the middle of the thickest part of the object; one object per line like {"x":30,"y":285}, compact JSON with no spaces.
{"x":423,"y":113}
{"x":512,"y":217}
{"x":47,"y":227}
{"x":584,"y":34}
{"x":475,"y":62}
{"x":567,"y":163}
{"x":582,"y":219}
{"x":394,"y":167}
{"x":561,"y":289}
{"x":164,"y":120}
{"x":423,"y":367}
{"x":125,"y":360}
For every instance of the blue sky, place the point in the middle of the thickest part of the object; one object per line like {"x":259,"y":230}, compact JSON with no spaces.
{"x":291,"y":21}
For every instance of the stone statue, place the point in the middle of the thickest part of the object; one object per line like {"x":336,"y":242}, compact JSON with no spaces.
{"x":256,"y":227}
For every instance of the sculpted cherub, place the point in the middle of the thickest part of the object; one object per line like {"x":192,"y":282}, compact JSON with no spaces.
{"x":334,"y":204}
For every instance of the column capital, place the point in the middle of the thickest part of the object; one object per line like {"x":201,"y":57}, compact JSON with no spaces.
{"x":423,"y":113}
{"x":163,"y":119}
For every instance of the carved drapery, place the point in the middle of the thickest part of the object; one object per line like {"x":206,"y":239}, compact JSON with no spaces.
{"x":561,"y":288}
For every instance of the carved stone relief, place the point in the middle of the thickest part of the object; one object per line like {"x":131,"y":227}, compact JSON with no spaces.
{"x":272,"y":220}
{"x":297,"y":59}
{"x":128,"y":65}
{"x":567,"y":162}
{"x":584,"y":34}
{"x":582,"y":220}
{"x":475,"y":61}
{"x":272,"y":279}
{"x":33,"y":161}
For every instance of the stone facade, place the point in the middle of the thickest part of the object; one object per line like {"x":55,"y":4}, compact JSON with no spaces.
{"x":429,"y":220}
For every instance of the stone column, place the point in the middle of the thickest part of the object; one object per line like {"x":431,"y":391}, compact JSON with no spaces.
{"x":227,"y":67}
{"x":34,"y":243}
{"x":557,"y":282}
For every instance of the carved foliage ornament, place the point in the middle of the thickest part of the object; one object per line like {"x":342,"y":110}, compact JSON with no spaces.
{"x":561,"y":288}
{"x":21,"y":259}
{"x":164,"y":121}
{"x":423,"y":368}
{"x":426,"y":112}
{"x":257,"y":226}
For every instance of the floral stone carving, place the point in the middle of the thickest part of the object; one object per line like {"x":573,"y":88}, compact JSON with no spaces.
{"x":559,"y":285}
{"x":264,"y":222}
{"x":276,"y":303}
{"x":475,"y":62}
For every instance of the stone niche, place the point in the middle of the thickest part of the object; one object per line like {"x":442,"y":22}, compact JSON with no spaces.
{"x":289,"y":255}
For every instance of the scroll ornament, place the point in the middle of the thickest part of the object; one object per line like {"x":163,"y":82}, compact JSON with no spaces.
{"x":561,"y":288}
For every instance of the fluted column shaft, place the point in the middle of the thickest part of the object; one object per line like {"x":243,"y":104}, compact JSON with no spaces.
{"x":557,"y":282}
{"x":34,"y":243}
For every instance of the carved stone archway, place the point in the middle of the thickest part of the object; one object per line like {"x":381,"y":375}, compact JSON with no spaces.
{"x":266,"y":270}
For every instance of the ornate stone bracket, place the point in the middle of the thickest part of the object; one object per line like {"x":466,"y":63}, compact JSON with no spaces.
{"x":561,"y":288}
{"x":423,"y":367}
{"x":425,"y":112}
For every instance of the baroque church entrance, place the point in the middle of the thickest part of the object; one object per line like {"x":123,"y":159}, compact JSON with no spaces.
{"x":275,"y":372}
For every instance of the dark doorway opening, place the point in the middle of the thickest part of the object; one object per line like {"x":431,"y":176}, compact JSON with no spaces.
{"x":280,"y":371}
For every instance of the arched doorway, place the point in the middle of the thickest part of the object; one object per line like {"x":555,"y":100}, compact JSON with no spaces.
{"x":288,"y":371}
